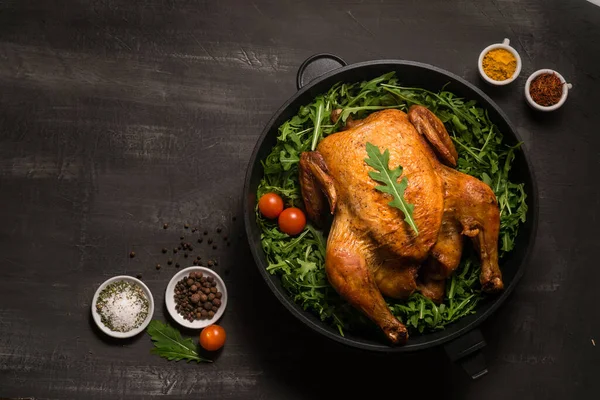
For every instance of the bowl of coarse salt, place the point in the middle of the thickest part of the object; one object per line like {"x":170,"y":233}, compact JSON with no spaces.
{"x":122,"y":306}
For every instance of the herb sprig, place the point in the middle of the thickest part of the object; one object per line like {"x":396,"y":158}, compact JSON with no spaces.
{"x":169,"y":344}
{"x":389,"y":178}
{"x":299,"y":261}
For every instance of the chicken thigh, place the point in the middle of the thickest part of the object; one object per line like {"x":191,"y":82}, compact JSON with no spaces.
{"x":371,"y":251}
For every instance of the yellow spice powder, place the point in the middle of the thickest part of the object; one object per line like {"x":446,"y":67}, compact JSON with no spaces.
{"x":499,"y":64}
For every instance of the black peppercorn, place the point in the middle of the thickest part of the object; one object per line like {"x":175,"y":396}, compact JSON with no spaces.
{"x":200,"y":240}
{"x":170,"y":261}
{"x":186,"y":226}
{"x":211,"y":263}
{"x":185,"y":255}
{"x":218,"y":230}
{"x":214,"y":246}
{"x":139,"y":276}
{"x":175,"y":250}
{"x":181,"y":237}
{"x":157,"y":266}
{"x":206,"y":232}
{"x":164,"y":250}
{"x":165,"y":226}
{"x":177,"y":265}
{"x":209,"y":241}
{"x":132,"y":254}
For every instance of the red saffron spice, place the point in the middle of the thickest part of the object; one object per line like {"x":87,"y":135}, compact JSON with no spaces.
{"x":546,"y":89}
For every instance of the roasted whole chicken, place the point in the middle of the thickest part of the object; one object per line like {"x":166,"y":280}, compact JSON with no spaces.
{"x":371,"y":251}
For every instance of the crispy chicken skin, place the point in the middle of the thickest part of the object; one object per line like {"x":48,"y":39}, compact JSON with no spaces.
{"x":371,"y":250}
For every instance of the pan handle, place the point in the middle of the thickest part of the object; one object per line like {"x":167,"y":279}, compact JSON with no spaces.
{"x":317,"y":65}
{"x":466,"y":350}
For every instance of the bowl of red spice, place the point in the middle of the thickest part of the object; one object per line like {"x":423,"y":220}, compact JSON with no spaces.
{"x":546,"y":90}
{"x":499,"y":64}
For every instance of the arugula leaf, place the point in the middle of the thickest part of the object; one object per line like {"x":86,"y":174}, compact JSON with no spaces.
{"x":389,"y":177}
{"x":169,"y":344}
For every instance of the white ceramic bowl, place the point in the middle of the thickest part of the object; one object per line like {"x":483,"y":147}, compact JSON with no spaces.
{"x":132,"y":332}
{"x":506,"y":46}
{"x":170,"y":301}
{"x":563,"y":98}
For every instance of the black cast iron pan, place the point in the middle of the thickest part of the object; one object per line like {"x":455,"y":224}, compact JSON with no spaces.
{"x":462,"y":341}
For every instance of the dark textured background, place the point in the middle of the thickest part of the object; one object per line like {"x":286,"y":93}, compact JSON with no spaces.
{"x":118,"y":115}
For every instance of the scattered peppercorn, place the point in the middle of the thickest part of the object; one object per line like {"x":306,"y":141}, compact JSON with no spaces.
{"x":181,"y":237}
{"x":139,"y":276}
{"x":198,"y":258}
{"x":170,"y":261}
{"x":211,"y":263}
{"x":157,"y":266}
{"x":225,"y":237}
{"x":177,"y":265}
{"x":185,"y":255}
{"x":175,"y":250}
{"x":165,"y":226}
{"x":164,"y":250}
{"x":200,"y":240}
{"x":209,"y":241}
{"x":132,"y":254}
{"x":206,"y":232}
{"x":218,"y":230}
{"x":233,"y":218}
{"x":214,"y":246}
{"x":186,"y":226}
{"x":194,"y":230}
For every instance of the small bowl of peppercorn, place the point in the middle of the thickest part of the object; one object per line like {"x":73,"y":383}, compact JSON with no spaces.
{"x":196,"y":297}
{"x":546,"y":90}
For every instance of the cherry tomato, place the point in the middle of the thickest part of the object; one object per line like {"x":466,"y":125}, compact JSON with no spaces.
{"x":212,"y":337}
{"x":292,"y":221}
{"x":270,"y":205}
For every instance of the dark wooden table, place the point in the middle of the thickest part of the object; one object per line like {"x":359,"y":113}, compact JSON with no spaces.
{"x":118,"y":115}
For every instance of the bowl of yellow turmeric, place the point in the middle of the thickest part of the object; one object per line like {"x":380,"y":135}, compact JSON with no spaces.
{"x":499,"y":64}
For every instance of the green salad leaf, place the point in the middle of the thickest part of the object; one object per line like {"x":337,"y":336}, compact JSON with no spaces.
{"x":389,"y":177}
{"x":169,"y":344}
{"x":300,"y":261}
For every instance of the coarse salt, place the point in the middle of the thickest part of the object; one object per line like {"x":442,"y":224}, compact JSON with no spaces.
{"x":122,"y":306}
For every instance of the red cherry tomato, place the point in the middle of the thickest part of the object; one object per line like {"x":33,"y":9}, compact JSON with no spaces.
{"x":212,"y":337}
{"x":292,"y":221}
{"x":270,"y":205}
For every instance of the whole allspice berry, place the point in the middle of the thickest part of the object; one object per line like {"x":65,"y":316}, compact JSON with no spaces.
{"x":195,"y":298}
